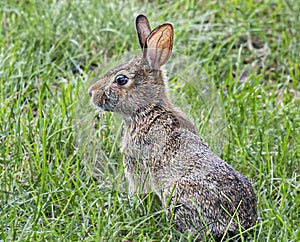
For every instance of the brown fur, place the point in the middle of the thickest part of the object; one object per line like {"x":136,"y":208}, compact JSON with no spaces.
{"x":164,"y":153}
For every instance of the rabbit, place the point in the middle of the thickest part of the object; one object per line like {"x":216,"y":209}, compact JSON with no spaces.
{"x":163,"y":151}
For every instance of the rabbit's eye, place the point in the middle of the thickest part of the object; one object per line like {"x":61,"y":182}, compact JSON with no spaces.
{"x":122,"y":80}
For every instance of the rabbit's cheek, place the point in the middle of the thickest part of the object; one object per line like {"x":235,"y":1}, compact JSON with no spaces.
{"x":110,"y":99}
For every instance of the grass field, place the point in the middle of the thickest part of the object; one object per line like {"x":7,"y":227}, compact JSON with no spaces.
{"x":50,"y":51}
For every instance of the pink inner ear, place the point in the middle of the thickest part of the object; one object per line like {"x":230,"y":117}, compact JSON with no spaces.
{"x":155,"y":57}
{"x":159,"y":45}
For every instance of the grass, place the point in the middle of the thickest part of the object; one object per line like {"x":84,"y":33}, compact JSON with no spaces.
{"x":50,"y":51}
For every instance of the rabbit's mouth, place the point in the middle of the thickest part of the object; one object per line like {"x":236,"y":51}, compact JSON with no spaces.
{"x":106,"y":108}
{"x":103,"y":106}
{"x":101,"y":101}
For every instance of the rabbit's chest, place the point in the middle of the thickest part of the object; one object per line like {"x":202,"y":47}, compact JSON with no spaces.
{"x":146,"y":150}
{"x":144,"y":146}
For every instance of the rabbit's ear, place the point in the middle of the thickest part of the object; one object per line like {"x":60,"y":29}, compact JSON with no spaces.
{"x":143,"y":29}
{"x":159,"y":45}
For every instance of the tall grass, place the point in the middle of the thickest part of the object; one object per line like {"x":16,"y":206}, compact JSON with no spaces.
{"x":50,"y":51}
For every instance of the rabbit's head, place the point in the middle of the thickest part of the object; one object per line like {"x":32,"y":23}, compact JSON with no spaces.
{"x":138,"y":84}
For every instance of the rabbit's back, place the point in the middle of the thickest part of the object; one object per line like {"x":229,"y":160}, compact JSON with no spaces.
{"x":210,"y":191}
{"x":171,"y":159}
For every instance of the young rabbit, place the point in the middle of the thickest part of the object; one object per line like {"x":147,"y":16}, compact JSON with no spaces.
{"x":162,"y":150}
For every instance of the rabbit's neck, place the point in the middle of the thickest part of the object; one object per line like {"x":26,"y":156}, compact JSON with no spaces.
{"x":144,"y":114}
